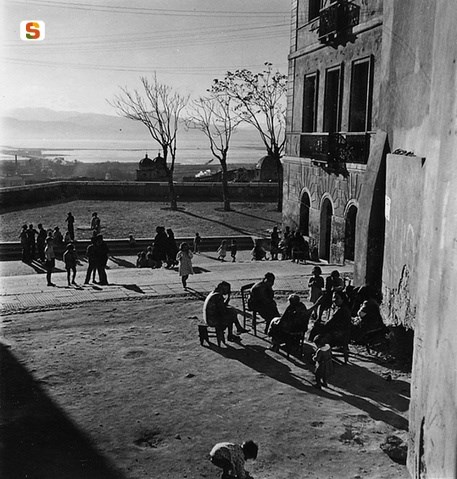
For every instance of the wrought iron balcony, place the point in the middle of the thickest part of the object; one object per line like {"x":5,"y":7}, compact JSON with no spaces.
{"x":336,"y":22}
{"x":332,"y":151}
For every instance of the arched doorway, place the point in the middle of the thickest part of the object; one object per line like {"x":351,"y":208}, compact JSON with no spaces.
{"x":349,"y":233}
{"x":325,"y":229}
{"x":304,"y":214}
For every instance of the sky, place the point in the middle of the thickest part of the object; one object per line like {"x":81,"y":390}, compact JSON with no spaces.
{"x":92,"y":48}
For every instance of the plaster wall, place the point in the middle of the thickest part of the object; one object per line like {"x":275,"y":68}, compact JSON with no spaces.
{"x":403,"y":213}
{"x":419,"y":98}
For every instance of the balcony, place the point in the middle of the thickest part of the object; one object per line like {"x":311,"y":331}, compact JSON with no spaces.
{"x":331,"y":151}
{"x":336,"y":22}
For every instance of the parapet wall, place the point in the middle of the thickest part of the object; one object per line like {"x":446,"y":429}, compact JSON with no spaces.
{"x":133,"y":191}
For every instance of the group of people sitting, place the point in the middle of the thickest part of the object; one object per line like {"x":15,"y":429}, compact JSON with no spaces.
{"x":289,"y":328}
{"x":162,"y":252}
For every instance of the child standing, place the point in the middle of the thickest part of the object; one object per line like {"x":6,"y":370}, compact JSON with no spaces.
{"x":324,"y":362}
{"x":197,"y":242}
{"x":233,"y":250}
{"x":50,"y":259}
{"x":70,"y":259}
{"x":222,"y":250}
{"x":184,"y":258}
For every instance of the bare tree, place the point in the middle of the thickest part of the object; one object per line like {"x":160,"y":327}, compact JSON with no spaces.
{"x":158,"y":107}
{"x":260,"y":101}
{"x":214,"y":116}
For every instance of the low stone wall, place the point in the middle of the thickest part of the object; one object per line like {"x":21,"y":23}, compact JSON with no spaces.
{"x":133,"y":191}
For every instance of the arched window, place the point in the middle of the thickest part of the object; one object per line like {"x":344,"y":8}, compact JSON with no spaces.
{"x":325,"y":229}
{"x":349,"y":233}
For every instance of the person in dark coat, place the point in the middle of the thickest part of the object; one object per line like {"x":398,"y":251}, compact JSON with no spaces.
{"x":101,"y":258}
{"x":261,"y":299}
{"x":24,"y":244}
{"x":31,"y":242}
{"x":159,"y":248}
{"x":41,"y":241}
{"x":90,"y":254}
{"x":172,"y":249}
{"x":71,"y":225}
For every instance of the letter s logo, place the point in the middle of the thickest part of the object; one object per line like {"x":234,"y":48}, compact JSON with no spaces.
{"x":32,"y":30}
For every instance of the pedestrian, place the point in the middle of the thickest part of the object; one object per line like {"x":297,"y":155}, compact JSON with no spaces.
{"x":274,"y":243}
{"x":159,"y":247}
{"x":316,"y":284}
{"x":41,"y":242}
{"x":70,"y":259}
{"x":197,"y":242}
{"x":222,"y":251}
{"x":31,"y":242}
{"x":231,"y":458}
{"x":101,"y":259}
{"x":24,"y":244}
{"x":50,"y":259}
{"x":95,"y":223}
{"x":91,"y":266}
{"x":172,"y":249}
{"x":184,"y":258}
{"x":233,"y":250}
{"x":324,"y":362}
{"x":57,"y":236}
{"x":71,"y":225}
{"x":132,"y":241}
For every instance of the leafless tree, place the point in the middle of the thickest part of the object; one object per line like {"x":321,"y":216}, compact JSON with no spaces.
{"x":158,"y":107}
{"x":214,"y":116}
{"x":260,"y":101}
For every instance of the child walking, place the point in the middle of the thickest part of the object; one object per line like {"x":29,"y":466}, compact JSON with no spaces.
{"x":70,"y":258}
{"x":197,"y":242}
{"x":184,"y":258}
{"x":233,"y":250}
{"x":324,"y":362}
{"x":222,"y":250}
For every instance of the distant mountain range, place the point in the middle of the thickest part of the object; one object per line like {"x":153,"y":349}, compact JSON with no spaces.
{"x":44,"y":123}
{"x":47,"y":124}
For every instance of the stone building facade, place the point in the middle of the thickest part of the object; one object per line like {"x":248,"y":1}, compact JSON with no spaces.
{"x":406,"y":223}
{"x":332,"y":114}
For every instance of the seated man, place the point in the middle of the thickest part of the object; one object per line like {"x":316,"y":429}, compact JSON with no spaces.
{"x":261,"y":299}
{"x":218,"y":314}
{"x":293,"y":321}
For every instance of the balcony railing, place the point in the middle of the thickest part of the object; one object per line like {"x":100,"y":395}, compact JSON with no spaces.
{"x":337,"y":21}
{"x":331,"y":151}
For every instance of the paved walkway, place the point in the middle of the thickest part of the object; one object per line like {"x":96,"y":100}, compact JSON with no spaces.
{"x":23,"y":287}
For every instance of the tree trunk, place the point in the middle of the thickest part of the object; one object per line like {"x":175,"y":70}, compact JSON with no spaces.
{"x":171,"y":191}
{"x":225,"y":190}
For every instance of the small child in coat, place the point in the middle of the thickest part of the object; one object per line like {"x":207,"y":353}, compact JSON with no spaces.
{"x":233,"y":250}
{"x":323,"y":360}
{"x":222,"y":251}
{"x":184,"y":258}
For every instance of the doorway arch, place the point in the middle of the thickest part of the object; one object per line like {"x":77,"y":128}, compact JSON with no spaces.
{"x":349,"y":233}
{"x":305,"y":205}
{"x":325,"y":229}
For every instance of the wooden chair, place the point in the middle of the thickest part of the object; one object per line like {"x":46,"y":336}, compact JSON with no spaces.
{"x":244,"y":299}
{"x":205,"y":332}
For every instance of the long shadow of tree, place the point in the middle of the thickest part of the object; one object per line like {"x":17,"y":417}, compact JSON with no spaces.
{"x":38,"y":440}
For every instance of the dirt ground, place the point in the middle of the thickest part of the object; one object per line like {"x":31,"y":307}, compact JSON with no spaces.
{"x":124,"y":390}
{"x":119,"y":219}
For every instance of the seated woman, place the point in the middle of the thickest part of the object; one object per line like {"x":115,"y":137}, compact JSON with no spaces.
{"x":218,"y":314}
{"x":369,"y":326}
{"x":258,"y":253}
{"x":142,"y":261}
{"x":293,"y":322}
{"x":261,"y":299}
{"x":337,"y":330}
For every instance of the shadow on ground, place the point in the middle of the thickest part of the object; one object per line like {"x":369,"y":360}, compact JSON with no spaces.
{"x":38,"y":440}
